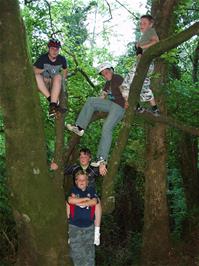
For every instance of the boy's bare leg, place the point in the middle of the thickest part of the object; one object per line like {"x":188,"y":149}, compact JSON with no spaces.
{"x":98,"y":216}
{"x":41,"y":85}
{"x":67,"y":210}
{"x":56,"y":88}
{"x":152,"y":102}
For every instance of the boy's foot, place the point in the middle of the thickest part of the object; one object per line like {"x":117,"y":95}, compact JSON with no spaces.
{"x":98,"y":161}
{"x":61,"y":110}
{"x":52,"y":110}
{"x":75,"y":129}
{"x":140,"y":109}
{"x":155,"y":112}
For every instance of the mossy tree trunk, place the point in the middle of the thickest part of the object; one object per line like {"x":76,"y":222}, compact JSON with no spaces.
{"x":37,"y":201}
{"x":156,"y":235}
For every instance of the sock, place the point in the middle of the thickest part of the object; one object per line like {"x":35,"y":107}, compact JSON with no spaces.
{"x":53,"y":104}
{"x":154,"y":107}
{"x":97,"y":230}
{"x":49,"y":98}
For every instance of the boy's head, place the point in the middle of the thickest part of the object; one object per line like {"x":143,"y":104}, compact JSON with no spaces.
{"x":84,"y":156}
{"x":53,"y":47}
{"x":146,"y":22}
{"x":106,"y":70}
{"x":81,"y":180}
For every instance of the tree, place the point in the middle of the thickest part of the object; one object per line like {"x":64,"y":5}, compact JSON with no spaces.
{"x":37,"y":201}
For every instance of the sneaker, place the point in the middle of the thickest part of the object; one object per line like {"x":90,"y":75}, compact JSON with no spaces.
{"x":140,"y":109}
{"x":156,"y":112}
{"x":61,"y":110}
{"x":52,"y":110}
{"x":97,"y":239}
{"x":98,"y":161}
{"x":75,"y":129}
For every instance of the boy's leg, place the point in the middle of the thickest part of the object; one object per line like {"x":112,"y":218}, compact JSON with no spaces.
{"x":125,"y":86}
{"x":89,"y":248}
{"x":92,"y":104}
{"x":115,"y":115}
{"x":41,"y":85}
{"x":67,"y":210}
{"x":56,"y":88}
{"x":76,"y":244}
{"x":98,"y":215}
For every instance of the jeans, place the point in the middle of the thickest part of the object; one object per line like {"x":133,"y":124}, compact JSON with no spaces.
{"x":82,"y":245}
{"x":115,"y":115}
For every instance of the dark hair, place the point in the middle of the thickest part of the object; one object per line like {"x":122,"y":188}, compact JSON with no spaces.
{"x":85,"y":151}
{"x":149,"y":17}
{"x":80,"y":172}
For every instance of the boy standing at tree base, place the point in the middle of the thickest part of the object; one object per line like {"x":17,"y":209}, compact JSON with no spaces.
{"x":82,"y":201}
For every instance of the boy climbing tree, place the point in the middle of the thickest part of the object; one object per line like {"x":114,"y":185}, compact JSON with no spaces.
{"x":149,"y":37}
{"x":112,"y":102}
{"x":47,"y":71}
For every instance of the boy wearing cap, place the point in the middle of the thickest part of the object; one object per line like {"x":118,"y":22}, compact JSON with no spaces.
{"x":47,"y":71}
{"x":111,"y":102}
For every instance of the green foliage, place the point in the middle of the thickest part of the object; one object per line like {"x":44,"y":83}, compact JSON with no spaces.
{"x":177,"y":203}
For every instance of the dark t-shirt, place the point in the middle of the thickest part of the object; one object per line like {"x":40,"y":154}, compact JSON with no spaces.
{"x":112,"y":89}
{"x":51,"y":68}
{"x":79,"y":215}
{"x":93,"y":173}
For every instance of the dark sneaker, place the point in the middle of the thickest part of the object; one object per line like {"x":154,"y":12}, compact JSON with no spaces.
{"x":61,"y":110}
{"x":98,"y":161}
{"x":75,"y":130}
{"x":52,"y":110}
{"x":156,"y":112}
{"x":140,"y":109}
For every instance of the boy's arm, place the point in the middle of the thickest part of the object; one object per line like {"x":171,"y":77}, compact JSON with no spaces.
{"x":65,"y":73}
{"x":90,"y":202}
{"x":154,"y":39}
{"x":77,"y":201}
{"x":37,"y":70}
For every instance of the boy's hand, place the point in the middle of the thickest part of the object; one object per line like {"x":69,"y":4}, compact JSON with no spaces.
{"x":126,"y":105}
{"x":102,"y":169}
{"x":53,"y":166}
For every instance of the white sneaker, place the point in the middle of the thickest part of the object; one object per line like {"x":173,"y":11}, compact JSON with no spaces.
{"x":97,"y":239}
{"x":98,"y":161}
{"x":75,"y":130}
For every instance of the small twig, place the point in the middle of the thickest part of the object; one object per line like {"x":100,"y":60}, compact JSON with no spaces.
{"x":109,"y":8}
{"x":134,"y":16}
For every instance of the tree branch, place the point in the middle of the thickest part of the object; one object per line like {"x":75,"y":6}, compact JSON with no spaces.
{"x":134,"y":16}
{"x":109,"y":8}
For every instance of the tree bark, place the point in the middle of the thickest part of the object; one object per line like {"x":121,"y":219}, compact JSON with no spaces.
{"x":156,"y":235}
{"x":38,"y":203}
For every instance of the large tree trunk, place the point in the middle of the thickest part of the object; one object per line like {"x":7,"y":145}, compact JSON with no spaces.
{"x":156,"y":240}
{"x":37,"y":201}
{"x":156,"y":223}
